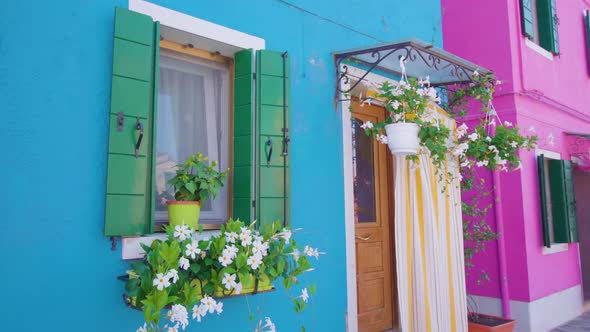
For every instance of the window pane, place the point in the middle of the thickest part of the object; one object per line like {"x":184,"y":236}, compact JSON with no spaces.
{"x":364,"y":175}
{"x":193,"y":108}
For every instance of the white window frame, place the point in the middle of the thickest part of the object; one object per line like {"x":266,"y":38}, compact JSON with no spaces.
{"x":555,"y":247}
{"x":210,"y":37}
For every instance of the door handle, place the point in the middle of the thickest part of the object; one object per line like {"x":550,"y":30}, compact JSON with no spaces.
{"x":268,"y":151}
{"x":367,"y":238}
{"x":138,"y":126}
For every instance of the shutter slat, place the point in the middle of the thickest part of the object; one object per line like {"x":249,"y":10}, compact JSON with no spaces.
{"x":543,"y":201}
{"x":554,"y":28}
{"x":570,"y":200}
{"x":527,"y":19}
{"x":559,"y":202}
{"x":243,"y":166}
{"x":128,"y":194}
{"x":272,"y":129}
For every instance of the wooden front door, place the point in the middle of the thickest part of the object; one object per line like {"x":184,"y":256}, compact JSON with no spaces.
{"x":374,"y":257}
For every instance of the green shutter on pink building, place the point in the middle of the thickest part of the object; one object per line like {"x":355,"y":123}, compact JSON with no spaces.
{"x":563,"y":204}
{"x":129,"y":198}
{"x":543,"y":201}
{"x":527,"y":18}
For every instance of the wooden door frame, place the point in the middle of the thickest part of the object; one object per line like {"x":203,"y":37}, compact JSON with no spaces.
{"x":343,"y":107}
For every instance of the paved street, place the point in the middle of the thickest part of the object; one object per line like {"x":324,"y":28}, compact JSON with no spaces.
{"x":581,"y":323}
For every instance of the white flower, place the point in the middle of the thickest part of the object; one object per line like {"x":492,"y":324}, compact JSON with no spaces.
{"x":192,"y":249}
{"x":397,"y":117}
{"x":231,"y":251}
{"x":260,"y":248}
{"x":367,"y":125}
{"x":231,"y":237}
{"x":304,"y":295}
{"x":225,"y":260}
{"x":500,"y":161}
{"x":382,"y":139}
{"x":498,"y":82}
{"x":238,"y":287}
{"x":473,"y":136}
{"x":296,"y":254}
{"x":492,"y":122}
{"x":311,"y":252}
{"x":181,"y":232}
{"x":172,"y":274}
{"x":178,"y":314}
{"x":513,"y":144}
{"x":254,"y":261}
{"x":184,"y":263}
{"x":461,"y":130}
{"x":208,"y":303}
{"x":286,"y":234}
{"x":161,"y":281}
{"x":142,"y":328}
{"x":228,"y":280}
{"x":395,"y":104}
{"x":475,"y":73}
{"x":493,"y":148}
{"x":507,"y":124}
{"x":482,"y":163}
{"x":245,"y":236}
{"x":488,"y":139}
{"x":270,"y":325}
{"x":460,"y":149}
{"x":425,"y":81}
{"x":219,"y":308}
{"x":173,"y":328}
{"x":199,"y":311}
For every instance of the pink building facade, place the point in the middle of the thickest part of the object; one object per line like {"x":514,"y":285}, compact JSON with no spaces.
{"x":546,"y":91}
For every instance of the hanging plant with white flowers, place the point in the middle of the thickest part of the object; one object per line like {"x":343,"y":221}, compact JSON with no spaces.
{"x":183,"y":276}
{"x":412,"y":102}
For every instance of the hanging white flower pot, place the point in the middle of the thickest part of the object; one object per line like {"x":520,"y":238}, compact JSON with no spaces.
{"x":402,"y":138}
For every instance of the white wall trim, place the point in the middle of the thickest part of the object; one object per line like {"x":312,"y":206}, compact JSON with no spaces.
{"x":540,"y":315}
{"x":196,"y":26}
{"x":537,"y":48}
{"x":351,"y":291}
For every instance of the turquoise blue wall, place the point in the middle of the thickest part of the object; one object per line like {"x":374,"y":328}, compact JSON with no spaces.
{"x":57,"y":270}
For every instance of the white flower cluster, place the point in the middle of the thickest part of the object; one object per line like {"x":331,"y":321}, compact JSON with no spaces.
{"x":179,"y":315}
{"x":246,"y":239}
{"x":163,"y":280}
{"x":269,"y":326}
{"x":207,"y":305}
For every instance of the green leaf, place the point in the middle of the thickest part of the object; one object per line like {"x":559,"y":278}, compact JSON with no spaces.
{"x":191,"y":187}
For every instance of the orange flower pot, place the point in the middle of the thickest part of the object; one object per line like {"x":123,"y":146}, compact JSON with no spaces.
{"x":487,"y":323}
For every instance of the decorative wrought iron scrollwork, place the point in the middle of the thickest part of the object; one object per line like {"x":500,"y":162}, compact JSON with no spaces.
{"x":409,"y":52}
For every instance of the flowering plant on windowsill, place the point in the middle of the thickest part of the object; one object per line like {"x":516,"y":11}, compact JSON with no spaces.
{"x":183,"y":276}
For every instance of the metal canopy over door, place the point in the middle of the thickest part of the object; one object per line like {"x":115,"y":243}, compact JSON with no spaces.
{"x":374,"y":256}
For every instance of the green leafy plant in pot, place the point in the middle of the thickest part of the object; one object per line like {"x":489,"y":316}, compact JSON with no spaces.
{"x":195,"y":181}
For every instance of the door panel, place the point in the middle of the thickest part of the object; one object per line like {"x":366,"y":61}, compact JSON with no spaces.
{"x":374,"y":257}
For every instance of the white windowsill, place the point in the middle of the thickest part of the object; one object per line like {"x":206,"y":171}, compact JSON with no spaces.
{"x":131,"y":248}
{"x":555,"y":248}
{"x":535,"y":47}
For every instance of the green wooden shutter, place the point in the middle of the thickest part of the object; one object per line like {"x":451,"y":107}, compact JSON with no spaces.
{"x":587,"y":25}
{"x":129,"y":198}
{"x":243,"y":163}
{"x":563,"y":205}
{"x":527,"y":19}
{"x":547,"y":24}
{"x":272,"y":130}
{"x":543,"y":201}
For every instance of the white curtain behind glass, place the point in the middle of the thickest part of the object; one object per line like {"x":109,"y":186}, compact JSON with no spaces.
{"x":193,"y":108}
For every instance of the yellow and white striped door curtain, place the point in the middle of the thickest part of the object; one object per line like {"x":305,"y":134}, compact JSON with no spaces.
{"x":429,"y":248}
